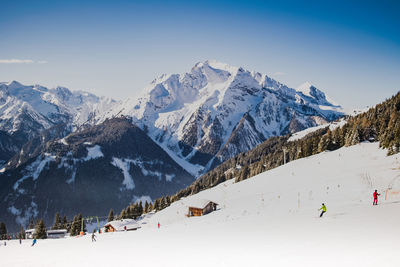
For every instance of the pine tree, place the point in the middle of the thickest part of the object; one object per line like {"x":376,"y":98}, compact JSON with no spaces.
{"x":151,"y":207}
{"x":3,"y":231}
{"x":22,"y":234}
{"x":40,"y":230}
{"x":129,"y":212}
{"x":137,"y":210}
{"x":146,"y":207}
{"x":243,"y":174}
{"x":74,"y":229}
{"x":195,"y":189}
{"x":31,"y":224}
{"x":163,"y":204}
{"x":65,"y":223}
{"x":80,"y":222}
{"x":323,"y":144}
{"x":57,"y":222}
{"x":110,"y":216}
{"x":156,"y":205}
{"x":122,"y":215}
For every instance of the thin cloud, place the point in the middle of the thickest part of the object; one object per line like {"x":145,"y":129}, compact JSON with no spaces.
{"x":16,"y":61}
{"x":22,"y":61}
{"x":278,"y":73}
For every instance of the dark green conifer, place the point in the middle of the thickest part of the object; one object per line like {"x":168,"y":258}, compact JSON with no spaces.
{"x":110,"y":216}
{"x":65,"y":223}
{"x":122,"y":215}
{"x":40,"y":230}
{"x":75,"y":226}
{"x":3,"y":231}
{"x":21,"y":234}
{"x":57,"y":222}
{"x":31,"y":224}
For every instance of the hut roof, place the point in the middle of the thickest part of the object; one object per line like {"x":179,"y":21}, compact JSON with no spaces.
{"x":119,"y":225}
{"x":198,"y":203}
{"x":58,"y":231}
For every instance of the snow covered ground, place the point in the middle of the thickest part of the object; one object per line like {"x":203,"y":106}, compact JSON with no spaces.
{"x":267,"y":220}
{"x":332,"y":126}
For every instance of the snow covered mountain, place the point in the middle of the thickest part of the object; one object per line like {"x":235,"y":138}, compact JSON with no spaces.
{"x":91,"y":171}
{"x":25,"y":111}
{"x":200,"y":118}
{"x":217,"y":111}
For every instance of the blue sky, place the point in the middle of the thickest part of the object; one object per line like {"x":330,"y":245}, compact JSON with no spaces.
{"x":349,"y":49}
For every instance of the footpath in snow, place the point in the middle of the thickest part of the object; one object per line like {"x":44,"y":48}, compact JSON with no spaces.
{"x":268,"y":220}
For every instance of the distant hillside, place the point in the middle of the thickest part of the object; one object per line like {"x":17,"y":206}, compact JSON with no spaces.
{"x":104,"y":166}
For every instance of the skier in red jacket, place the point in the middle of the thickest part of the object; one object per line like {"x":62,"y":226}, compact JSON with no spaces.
{"x":376,"y":197}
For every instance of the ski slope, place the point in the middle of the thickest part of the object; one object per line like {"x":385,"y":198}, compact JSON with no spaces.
{"x":269,"y":220}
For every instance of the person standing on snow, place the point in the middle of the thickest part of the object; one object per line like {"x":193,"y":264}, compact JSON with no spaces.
{"x":323,"y":208}
{"x":376,"y":197}
{"x":93,"y":236}
{"x":33,"y":242}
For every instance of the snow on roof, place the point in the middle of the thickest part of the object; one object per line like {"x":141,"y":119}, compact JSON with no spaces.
{"x":198,"y":203}
{"x":119,"y":225}
{"x":58,"y":231}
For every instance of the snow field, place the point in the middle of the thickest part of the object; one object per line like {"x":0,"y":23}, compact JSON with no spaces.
{"x":268,"y":220}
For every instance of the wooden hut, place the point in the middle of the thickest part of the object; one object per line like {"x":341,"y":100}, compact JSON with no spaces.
{"x":200,"y":207}
{"x":121,"y":225}
{"x":30,"y":233}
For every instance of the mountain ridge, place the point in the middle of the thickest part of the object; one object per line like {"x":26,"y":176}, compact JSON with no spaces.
{"x":194,"y":114}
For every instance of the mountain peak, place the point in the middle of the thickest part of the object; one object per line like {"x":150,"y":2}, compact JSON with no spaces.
{"x":14,"y":84}
{"x":305,"y":88}
{"x":215,"y":64}
{"x":310,"y":90}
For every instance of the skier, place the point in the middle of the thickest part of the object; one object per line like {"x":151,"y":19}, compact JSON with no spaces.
{"x":376,"y":197}
{"x":323,"y":208}
{"x":159,"y":225}
{"x":20,"y":241}
{"x":33,"y":242}
{"x":93,"y":237}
